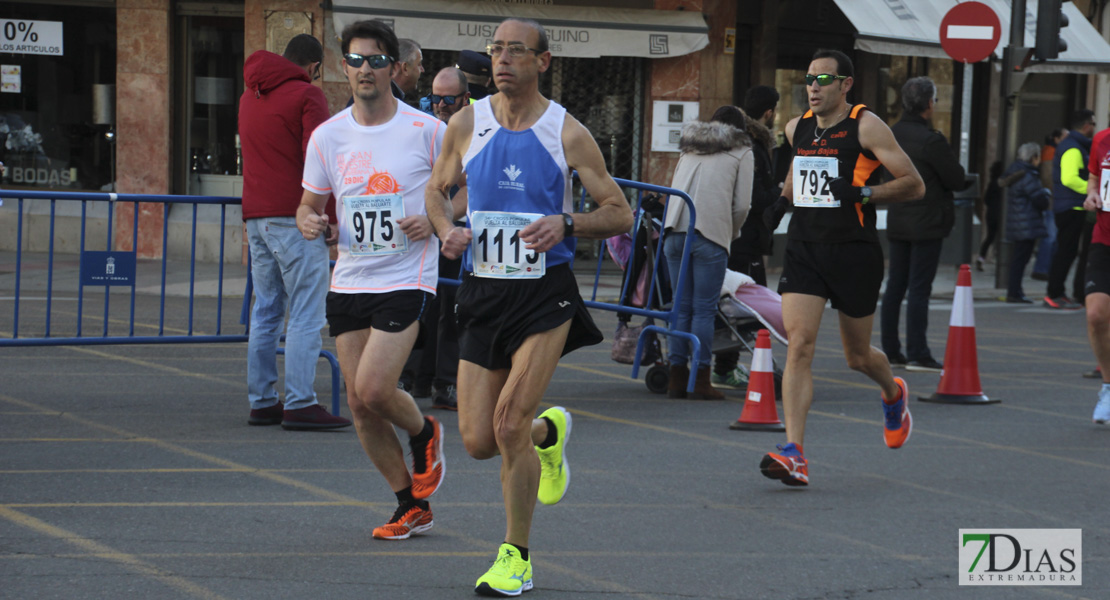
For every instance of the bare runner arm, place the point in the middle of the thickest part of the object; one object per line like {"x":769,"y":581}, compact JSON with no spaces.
{"x":876,"y":137}
{"x":612,"y":216}
{"x":312,"y":221}
{"x":446,"y":173}
{"x":907,"y":185}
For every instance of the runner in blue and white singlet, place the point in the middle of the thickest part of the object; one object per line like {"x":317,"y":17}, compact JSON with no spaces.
{"x":518,"y":308}
{"x":519,"y":171}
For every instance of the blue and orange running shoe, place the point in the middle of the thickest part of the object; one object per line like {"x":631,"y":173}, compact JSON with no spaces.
{"x":899,"y":423}
{"x":788,"y":465}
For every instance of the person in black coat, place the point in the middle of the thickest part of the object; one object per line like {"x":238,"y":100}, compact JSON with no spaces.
{"x":916,"y":229}
{"x":1026,"y":201}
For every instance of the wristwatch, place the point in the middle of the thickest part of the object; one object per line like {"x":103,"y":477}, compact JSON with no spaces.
{"x":865,"y":194}
{"x":568,"y":226}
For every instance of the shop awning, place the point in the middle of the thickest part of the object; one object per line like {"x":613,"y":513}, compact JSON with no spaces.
{"x":574,"y":31}
{"x":913,"y":29}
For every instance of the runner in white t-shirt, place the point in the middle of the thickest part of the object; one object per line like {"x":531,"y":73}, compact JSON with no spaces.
{"x":376,"y":157}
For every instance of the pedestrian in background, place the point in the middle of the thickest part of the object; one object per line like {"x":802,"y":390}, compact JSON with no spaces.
{"x":1046,"y":247}
{"x":916,"y":229}
{"x":411,"y":67}
{"x":478,"y":69}
{"x":990,"y":213}
{"x":716,"y":170}
{"x":278,"y":112}
{"x":747,"y":251}
{"x":433,"y":369}
{"x":1069,"y":190}
{"x":1027,"y":200}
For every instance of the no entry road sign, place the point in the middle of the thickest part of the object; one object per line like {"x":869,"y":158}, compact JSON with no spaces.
{"x":970,"y":31}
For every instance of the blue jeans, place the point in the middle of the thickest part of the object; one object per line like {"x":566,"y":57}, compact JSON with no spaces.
{"x":913,"y":265}
{"x":1046,"y":248}
{"x":701,"y":293}
{"x":285,"y":267}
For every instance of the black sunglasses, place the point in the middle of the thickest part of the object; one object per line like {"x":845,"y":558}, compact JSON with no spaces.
{"x":448,"y":100}
{"x":377,"y":61}
{"x":823,"y":79}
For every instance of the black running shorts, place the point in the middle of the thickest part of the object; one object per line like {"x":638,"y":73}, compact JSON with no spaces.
{"x":849,"y":274}
{"x":495,"y":316}
{"x":1098,"y":270}
{"x":391,"y":311}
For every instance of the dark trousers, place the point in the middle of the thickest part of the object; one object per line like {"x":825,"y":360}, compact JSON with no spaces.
{"x":913,"y":265}
{"x":752,"y":266}
{"x":1022,"y":251}
{"x":1069,"y":228}
{"x":1079,"y":282}
{"x":437,"y":362}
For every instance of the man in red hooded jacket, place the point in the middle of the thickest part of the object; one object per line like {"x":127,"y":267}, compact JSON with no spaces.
{"x":277,"y":114}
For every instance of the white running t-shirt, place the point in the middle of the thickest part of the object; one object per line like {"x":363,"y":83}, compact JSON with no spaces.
{"x":379,"y":171}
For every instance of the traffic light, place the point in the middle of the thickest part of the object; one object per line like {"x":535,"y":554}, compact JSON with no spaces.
{"x":1050,"y":19}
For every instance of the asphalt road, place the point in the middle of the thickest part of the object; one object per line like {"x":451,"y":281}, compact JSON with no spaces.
{"x":130,"y":472}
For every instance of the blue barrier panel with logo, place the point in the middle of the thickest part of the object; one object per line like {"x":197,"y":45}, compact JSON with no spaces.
{"x":107,"y":268}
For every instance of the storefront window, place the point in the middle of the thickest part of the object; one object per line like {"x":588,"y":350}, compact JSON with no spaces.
{"x":57,"y":107}
{"x":211,"y":78}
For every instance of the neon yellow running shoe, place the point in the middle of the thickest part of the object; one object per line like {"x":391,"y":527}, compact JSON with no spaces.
{"x":554,"y":469}
{"x":509,"y":576}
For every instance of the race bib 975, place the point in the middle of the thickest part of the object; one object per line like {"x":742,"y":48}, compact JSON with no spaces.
{"x":371,"y":224}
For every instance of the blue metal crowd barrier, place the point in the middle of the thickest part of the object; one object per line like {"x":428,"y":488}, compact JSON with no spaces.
{"x":668,"y":315}
{"x":122,"y":270}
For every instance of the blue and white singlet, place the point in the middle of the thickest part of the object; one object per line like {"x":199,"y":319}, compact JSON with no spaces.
{"x":519,"y":171}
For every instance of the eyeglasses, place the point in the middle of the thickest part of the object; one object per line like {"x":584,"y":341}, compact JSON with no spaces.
{"x":377,"y":61}
{"x":448,"y":100}
{"x":823,"y":79}
{"x":319,"y":68}
{"x":515,"y":50}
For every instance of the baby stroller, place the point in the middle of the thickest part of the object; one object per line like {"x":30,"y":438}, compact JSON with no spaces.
{"x":646,"y":284}
{"x":744,"y":309}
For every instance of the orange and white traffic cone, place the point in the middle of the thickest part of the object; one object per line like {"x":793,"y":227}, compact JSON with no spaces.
{"x":959,"y":381}
{"x":759,"y":412}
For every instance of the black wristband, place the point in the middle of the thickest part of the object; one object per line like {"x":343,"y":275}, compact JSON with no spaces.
{"x":568,"y":226}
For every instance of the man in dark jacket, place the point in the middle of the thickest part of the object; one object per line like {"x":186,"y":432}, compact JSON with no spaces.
{"x":916,"y":230}
{"x":277,"y":113}
{"x":747,"y":251}
{"x":1069,"y":190}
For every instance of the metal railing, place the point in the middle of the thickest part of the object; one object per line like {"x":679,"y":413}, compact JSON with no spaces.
{"x":112,"y":268}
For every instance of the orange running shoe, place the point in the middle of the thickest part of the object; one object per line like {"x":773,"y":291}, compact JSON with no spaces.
{"x":428,"y":463}
{"x":788,"y":465}
{"x":899,"y":424}
{"x":406,"y":522}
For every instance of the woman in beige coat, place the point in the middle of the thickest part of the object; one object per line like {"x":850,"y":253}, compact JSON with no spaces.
{"x":716,"y":170}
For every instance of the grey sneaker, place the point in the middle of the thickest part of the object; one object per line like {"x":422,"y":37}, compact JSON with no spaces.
{"x":736,"y":378}
{"x":445,"y":398}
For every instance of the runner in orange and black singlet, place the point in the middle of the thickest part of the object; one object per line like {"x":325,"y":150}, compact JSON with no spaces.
{"x":833,"y":252}
{"x":832,"y":247}
{"x":841,"y":141}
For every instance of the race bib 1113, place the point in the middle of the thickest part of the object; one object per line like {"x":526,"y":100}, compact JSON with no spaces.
{"x":497,"y":249}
